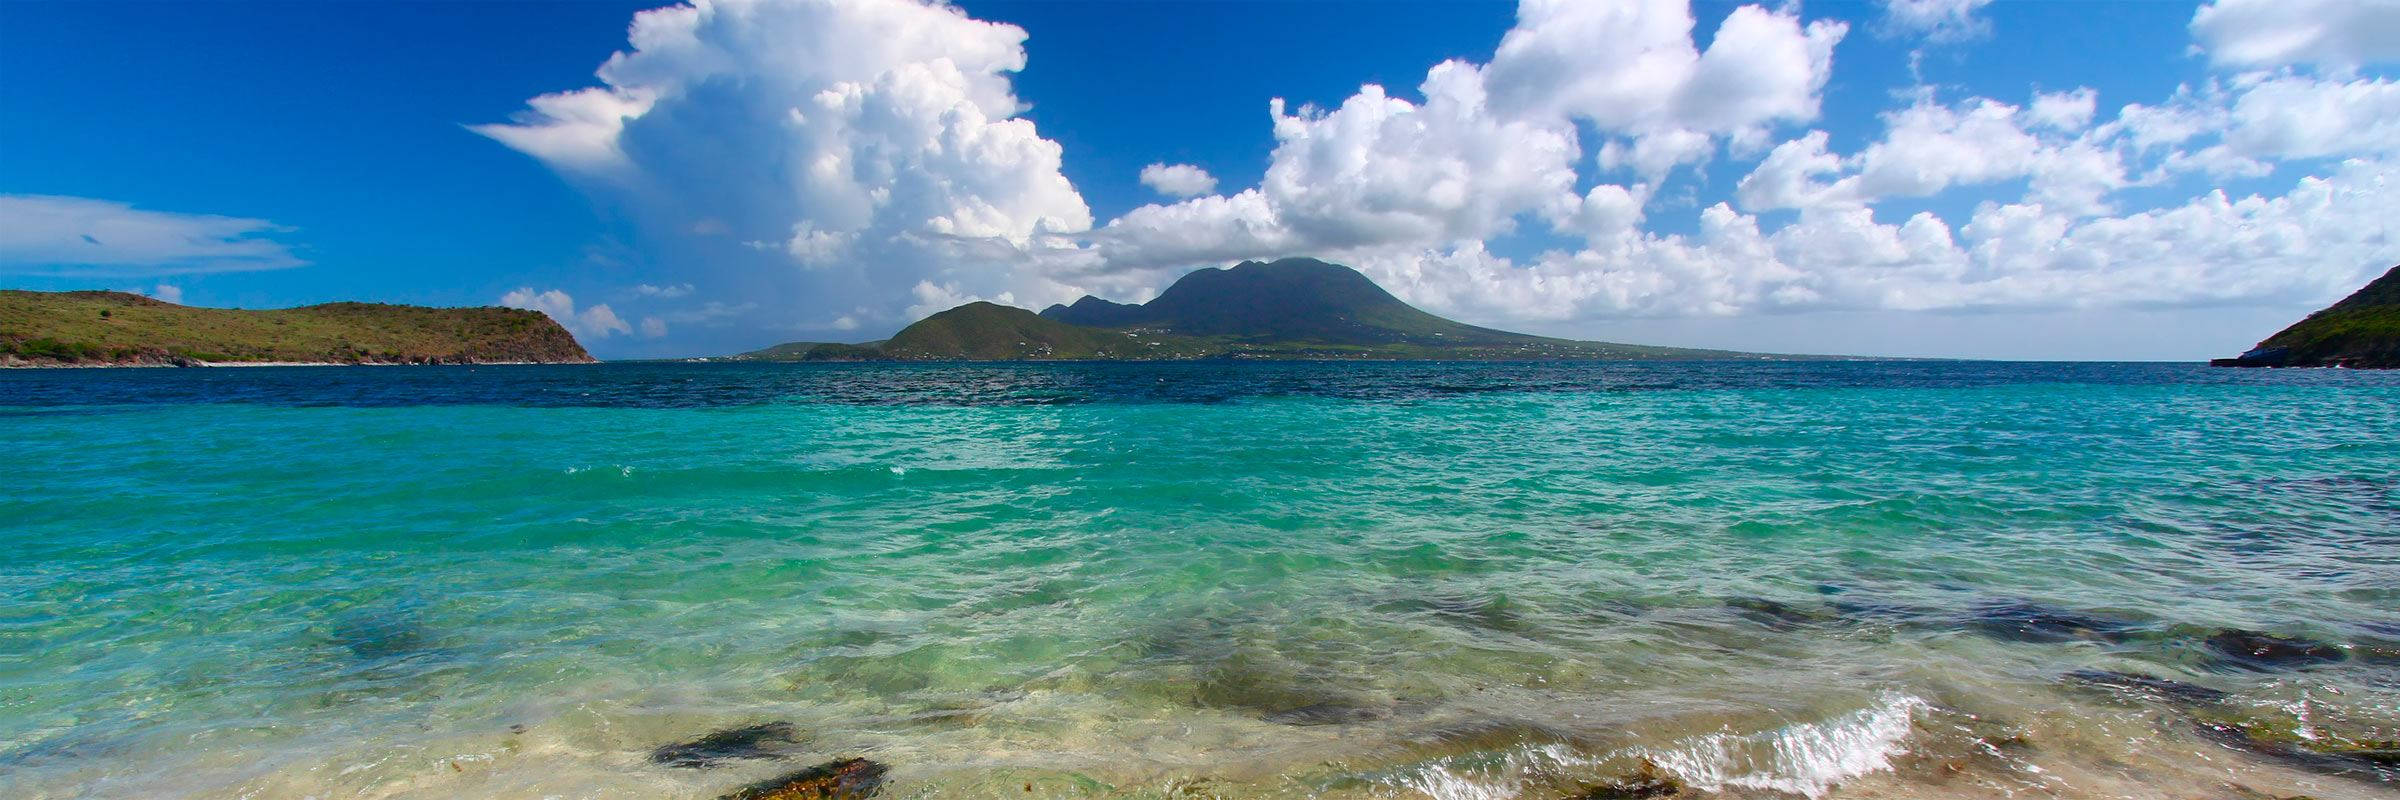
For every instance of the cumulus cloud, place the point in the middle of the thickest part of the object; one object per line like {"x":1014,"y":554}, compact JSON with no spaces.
{"x":866,"y":145}
{"x":168,"y":292}
{"x":1492,"y":144}
{"x":2338,"y":34}
{"x":668,"y":292}
{"x":1937,"y":21}
{"x":871,"y":155}
{"x":1411,"y":191}
{"x":594,"y":322}
{"x":1632,"y":68}
{"x":2320,"y":238}
{"x":1178,"y":180}
{"x":78,"y":236}
{"x":2285,"y":117}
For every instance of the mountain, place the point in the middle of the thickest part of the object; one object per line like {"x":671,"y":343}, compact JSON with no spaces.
{"x":2363,"y":330}
{"x":991,"y":332}
{"x":1295,"y":308}
{"x":116,"y":328}
{"x":1295,"y":299}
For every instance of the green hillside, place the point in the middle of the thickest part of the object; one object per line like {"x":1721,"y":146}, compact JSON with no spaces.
{"x":1288,"y":309}
{"x":2363,"y":330}
{"x":1292,"y":300}
{"x":101,"y":328}
{"x":991,"y":332}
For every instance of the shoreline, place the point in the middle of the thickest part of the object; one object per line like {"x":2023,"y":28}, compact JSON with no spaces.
{"x":207,"y":364}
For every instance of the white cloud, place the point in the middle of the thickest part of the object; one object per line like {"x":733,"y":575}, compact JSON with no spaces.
{"x":77,"y":236}
{"x":668,"y":292}
{"x":2293,"y":117}
{"x":2064,"y":111}
{"x":1929,"y":148}
{"x":1491,"y":145}
{"x":1938,"y":21}
{"x":2338,"y":34}
{"x":1787,"y":177}
{"x":2319,"y":239}
{"x":875,"y":142}
{"x":895,"y":179}
{"x":1178,"y":180}
{"x":653,"y":327}
{"x":1632,"y":68}
{"x":594,"y":322}
{"x":168,"y":292}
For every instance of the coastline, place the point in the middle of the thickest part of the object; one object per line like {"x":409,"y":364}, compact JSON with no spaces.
{"x":12,"y":364}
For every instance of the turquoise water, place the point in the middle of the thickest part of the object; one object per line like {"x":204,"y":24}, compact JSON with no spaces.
{"x":1306,"y":580}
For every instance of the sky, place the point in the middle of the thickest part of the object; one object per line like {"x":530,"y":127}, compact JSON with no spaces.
{"x":1958,"y":178}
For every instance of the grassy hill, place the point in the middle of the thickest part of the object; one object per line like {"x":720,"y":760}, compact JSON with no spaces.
{"x":101,"y":328}
{"x":2363,"y":330}
{"x":991,"y":332}
{"x":1288,"y":309}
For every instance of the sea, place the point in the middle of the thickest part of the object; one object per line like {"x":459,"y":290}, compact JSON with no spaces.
{"x":1819,"y":579}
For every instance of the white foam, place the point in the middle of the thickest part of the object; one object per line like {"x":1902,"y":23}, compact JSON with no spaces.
{"x":1808,"y":758}
{"x":1499,"y":782}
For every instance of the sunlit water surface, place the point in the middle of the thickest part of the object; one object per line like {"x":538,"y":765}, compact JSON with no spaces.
{"x":1221,"y":580}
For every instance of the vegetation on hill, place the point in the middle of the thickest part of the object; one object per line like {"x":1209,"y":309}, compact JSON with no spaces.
{"x":116,"y":328}
{"x":1289,"y":309}
{"x":2363,"y":330}
{"x":991,"y":332}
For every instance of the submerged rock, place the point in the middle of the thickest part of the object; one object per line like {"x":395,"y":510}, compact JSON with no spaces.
{"x":832,"y":780}
{"x":1493,"y":613}
{"x":2157,"y":688}
{"x":1773,"y":614}
{"x":1268,"y":686}
{"x":2246,"y":793}
{"x":2265,"y":651}
{"x":1648,"y":783}
{"x":2027,"y":621}
{"x":744,"y":742}
{"x":2369,"y":761}
{"x":1330,"y":713}
{"x":382,"y":635}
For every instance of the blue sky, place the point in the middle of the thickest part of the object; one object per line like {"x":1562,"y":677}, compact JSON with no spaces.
{"x":255,"y":155}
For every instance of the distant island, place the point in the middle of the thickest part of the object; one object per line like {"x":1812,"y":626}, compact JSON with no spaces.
{"x":2361,"y":331}
{"x":40,"y":329}
{"x":1295,"y":308}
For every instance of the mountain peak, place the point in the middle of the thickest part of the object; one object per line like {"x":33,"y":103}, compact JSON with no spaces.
{"x":1287,"y":308}
{"x":1291,"y":299}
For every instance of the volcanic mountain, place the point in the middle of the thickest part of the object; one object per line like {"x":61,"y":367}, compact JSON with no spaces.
{"x":1294,"y":308}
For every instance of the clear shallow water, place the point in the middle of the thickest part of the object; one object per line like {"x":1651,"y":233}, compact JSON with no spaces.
{"x":1249,"y":580}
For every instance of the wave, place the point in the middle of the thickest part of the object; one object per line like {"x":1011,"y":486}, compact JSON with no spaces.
{"x":1808,"y":758}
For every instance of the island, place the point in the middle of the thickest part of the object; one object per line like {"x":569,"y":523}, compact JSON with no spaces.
{"x":2362,"y":331}
{"x":52,"y":329}
{"x":1292,"y":309}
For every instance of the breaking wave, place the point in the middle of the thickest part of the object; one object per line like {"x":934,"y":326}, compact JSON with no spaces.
{"x":1808,"y":758}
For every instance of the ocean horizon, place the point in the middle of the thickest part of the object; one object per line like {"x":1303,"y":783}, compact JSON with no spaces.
{"x":1830,"y":579}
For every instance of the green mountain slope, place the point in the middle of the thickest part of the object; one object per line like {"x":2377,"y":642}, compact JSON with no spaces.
{"x":991,"y":332}
{"x":44,"y":328}
{"x":2363,"y":330}
{"x":1291,"y":300}
{"x":1293,"y":308}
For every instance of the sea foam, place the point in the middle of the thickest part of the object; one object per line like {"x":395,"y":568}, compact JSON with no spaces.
{"x":1808,"y":758}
